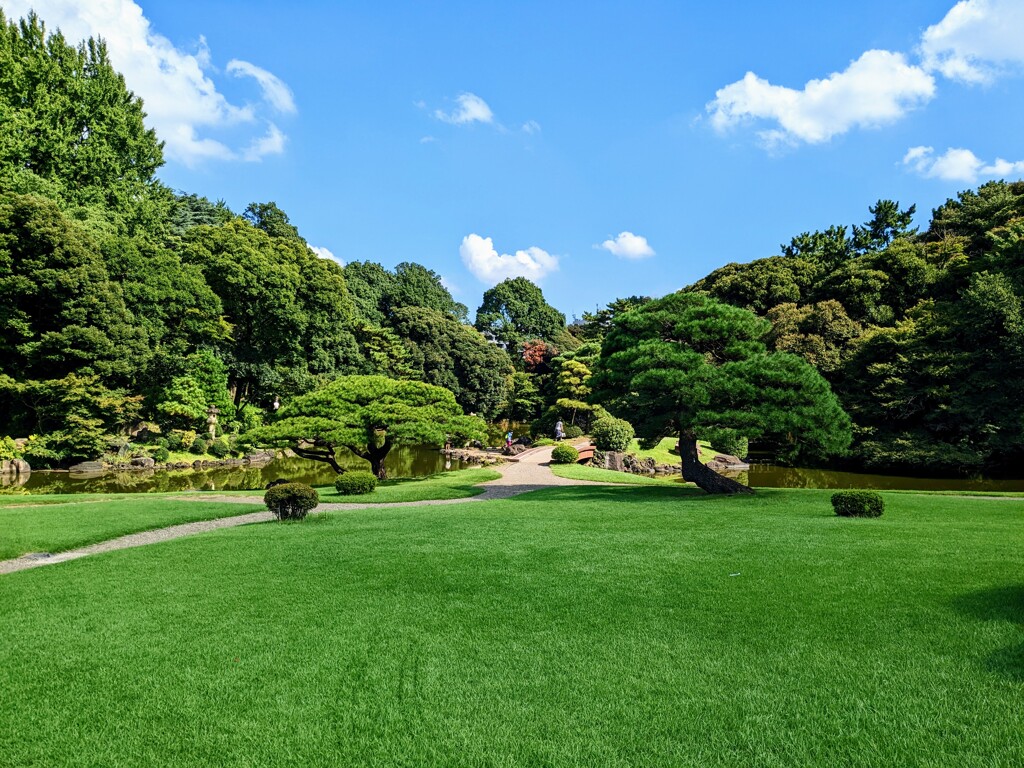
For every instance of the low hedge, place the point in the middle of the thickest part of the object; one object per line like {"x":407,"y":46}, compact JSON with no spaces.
{"x":564,"y":454}
{"x":291,"y":501}
{"x":355,"y":483}
{"x":857,"y":504}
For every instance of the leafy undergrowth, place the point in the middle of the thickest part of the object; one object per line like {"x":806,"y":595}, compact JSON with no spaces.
{"x":572,"y":626}
{"x":49,"y":526}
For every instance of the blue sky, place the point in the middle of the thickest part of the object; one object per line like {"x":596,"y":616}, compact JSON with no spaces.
{"x":454,"y":134}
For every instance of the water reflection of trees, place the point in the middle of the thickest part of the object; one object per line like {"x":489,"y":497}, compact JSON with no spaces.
{"x":401,"y":462}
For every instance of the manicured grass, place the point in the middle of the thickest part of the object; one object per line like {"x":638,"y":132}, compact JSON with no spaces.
{"x":48,"y":526}
{"x":446,"y":485}
{"x":665,"y":453}
{"x":571,"y":626}
{"x":596,"y":474}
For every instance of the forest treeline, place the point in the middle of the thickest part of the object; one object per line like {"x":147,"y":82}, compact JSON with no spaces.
{"x":125,"y":302}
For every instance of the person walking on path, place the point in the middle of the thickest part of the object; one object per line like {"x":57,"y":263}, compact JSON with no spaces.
{"x":508,"y":439}
{"x":559,"y":430}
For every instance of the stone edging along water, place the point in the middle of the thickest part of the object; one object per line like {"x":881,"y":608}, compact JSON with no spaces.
{"x":529,"y":473}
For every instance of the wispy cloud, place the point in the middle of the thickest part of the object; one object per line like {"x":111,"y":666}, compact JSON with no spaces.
{"x":325,"y":253}
{"x":490,"y":267}
{"x":958,"y":164}
{"x":626,"y":245}
{"x":471,"y":109}
{"x":182,"y":101}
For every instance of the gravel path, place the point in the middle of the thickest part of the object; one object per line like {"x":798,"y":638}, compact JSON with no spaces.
{"x":529,"y":473}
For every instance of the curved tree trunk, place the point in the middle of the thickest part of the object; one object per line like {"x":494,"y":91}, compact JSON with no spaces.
{"x":375,"y":454}
{"x":706,"y":479}
{"x":325,"y":454}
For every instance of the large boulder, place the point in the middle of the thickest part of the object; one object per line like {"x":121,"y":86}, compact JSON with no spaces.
{"x":143,"y":462}
{"x":87,"y":466}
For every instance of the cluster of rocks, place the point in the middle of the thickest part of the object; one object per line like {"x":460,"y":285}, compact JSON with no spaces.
{"x":476,"y":456}
{"x":628,"y":462}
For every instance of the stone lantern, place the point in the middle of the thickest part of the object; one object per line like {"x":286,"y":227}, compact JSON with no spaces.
{"x":211,"y":421}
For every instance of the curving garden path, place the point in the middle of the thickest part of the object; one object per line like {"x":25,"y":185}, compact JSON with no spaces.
{"x":529,"y":473}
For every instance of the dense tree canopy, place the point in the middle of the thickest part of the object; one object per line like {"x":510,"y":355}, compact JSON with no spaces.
{"x":514,"y":311}
{"x":686,"y":365}
{"x":368,"y":415}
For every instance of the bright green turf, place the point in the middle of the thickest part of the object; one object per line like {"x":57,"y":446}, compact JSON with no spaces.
{"x":446,"y":485}
{"x":55,"y":527}
{"x":581,"y":472}
{"x":572,"y":626}
{"x":664,"y":452}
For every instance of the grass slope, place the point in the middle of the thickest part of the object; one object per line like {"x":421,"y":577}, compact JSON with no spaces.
{"x":446,"y":485}
{"x":572,"y":626}
{"x":58,"y":526}
{"x":596,"y":474}
{"x":665,"y":453}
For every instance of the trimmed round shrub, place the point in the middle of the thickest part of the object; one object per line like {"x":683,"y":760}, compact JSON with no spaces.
{"x":564,"y":454}
{"x":355,"y":483}
{"x":857,"y":504}
{"x":198,"y":447}
{"x":572,"y":432}
{"x":291,"y":501}
{"x":611,"y":434}
{"x":219,"y":448}
{"x":160,"y":455}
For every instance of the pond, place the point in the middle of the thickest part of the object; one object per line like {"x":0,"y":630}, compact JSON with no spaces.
{"x":401,"y":462}
{"x":771,"y":476}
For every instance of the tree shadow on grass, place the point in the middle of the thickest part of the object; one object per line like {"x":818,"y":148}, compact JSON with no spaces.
{"x":999,"y":604}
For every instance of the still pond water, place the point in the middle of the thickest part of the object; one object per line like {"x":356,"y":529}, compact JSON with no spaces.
{"x":419,"y":462}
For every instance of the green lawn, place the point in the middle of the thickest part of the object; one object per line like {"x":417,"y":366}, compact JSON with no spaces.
{"x":571,"y":626}
{"x":665,"y":453}
{"x":446,"y":485}
{"x":596,"y":474}
{"x":55,"y":526}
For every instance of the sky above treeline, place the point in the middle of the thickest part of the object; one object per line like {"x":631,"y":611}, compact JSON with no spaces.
{"x":599,"y":149}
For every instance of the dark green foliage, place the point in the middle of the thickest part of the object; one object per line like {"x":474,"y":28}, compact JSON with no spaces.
{"x":270,"y":219}
{"x":355,"y":483}
{"x":219,"y":448}
{"x":160,"y":455}
{"x":611,"y":434}
{"x":515,"y":311}
{"x":595,"y":325}
{"x":572,"y":432}
{"x":687,"y":363}
{"x":564,"y":454}
{"x":857,"y":504}
{"x":291,"y":501}
{"x":199,"y":446}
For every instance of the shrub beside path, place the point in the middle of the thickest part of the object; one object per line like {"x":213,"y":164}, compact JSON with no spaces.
{"x":529,"y":473}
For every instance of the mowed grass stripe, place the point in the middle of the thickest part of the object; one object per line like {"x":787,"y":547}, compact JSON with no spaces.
{"x":573,"y":626}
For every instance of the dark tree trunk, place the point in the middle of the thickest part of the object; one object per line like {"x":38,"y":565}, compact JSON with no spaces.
{"x":324,"y":453}
{"x":376,"y":454}
{"x":706,"y":479}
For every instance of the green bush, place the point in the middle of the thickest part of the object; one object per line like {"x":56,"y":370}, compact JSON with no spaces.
{"x":564,"y":454}
{"x":543,"y":441}
{"x":219,"y":448}
{"x":8,"y":450}
{"x":355,"y":483}
{"x":291,"y":501}
{"x":572,"y":432}
{"x":163,"y":442}
{"x":611,"y":434}
{"x":198,"y":447}
{"x":160,"y":455}
{"x":857,"y":504}
{"x":727,"y":441}
{"x":175,"y":442}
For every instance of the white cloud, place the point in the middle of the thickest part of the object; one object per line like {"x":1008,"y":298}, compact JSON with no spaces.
{"x":957,"y":164}
{"x":325,"y":253}
{"x":181,"y":100}
{"x":531,"y":127}
{"x":270,"y":144}
{"x":628,"y":246}
{"x":275,"y":92}
{"x":471,"y":109}
{"x":976,"y":41}
{"x":876,"y":89}
{"x":490,"y":267}
{"x":427,"y":140}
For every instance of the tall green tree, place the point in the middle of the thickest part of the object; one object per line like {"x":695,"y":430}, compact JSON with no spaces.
{"x":368,"y":415}
{"x":687,"y":364}
{"x":514,"y":311}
